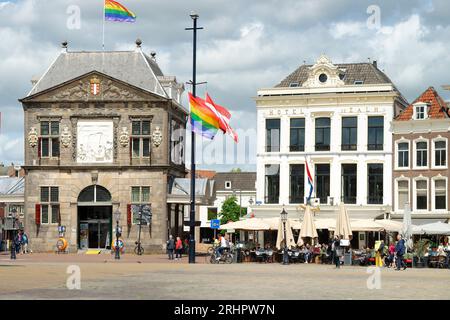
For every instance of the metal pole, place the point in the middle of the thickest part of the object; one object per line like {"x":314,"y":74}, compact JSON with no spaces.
{"x":13,"y":244}
{"x":194,"y":83}
{"x":285,"y":254}
{"x":139,"y":234}
{"x":117,"y":257}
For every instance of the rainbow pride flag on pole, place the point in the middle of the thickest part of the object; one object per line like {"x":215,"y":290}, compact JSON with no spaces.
{"x":114,"y":11}
{"x":204,"y":120}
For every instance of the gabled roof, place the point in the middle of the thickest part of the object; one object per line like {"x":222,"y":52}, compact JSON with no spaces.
{"x":366,"y":72}
{"x":437,"y":108}
{"x":133,"y":67}
{"x":244,"y":181}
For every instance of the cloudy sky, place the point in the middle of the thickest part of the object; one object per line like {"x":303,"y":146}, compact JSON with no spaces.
{"x":245,"y":45}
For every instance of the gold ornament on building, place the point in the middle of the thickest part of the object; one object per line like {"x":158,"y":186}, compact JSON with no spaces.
{"x":66,"y":137}
{"x":33,"y":137}
{"x":157,"y":137}
{"x":95,"y":86}
{"x":124,"y":137}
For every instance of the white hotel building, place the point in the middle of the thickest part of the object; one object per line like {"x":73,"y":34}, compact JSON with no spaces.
{"x":338,"y":116}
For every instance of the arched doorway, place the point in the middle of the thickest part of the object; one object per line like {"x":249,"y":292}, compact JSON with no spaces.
{"x":94,"y":218}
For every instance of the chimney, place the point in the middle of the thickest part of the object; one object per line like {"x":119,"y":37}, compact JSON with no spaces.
{"x":375,"y":64}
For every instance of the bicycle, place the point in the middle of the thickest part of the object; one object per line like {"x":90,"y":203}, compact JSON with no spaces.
{"x":216,"y":258}
{"x":139,"y":250}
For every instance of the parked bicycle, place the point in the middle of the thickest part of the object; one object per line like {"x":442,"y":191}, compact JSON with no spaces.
{"x":139,"y":250}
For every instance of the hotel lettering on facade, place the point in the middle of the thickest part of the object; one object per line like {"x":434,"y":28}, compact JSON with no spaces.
{"x":338,"y":118}
{"x":102,"y":134}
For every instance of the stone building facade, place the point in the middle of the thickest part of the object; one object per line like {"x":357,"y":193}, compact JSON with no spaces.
{"x":104,"y":131}
{"x":421,"y":135}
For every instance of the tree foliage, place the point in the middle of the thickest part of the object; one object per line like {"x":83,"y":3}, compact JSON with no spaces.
{"x":231,"y":211}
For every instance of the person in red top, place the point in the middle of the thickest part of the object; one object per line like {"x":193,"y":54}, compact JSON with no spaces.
{"x":391,"y":254}
{"x":178,"y":248}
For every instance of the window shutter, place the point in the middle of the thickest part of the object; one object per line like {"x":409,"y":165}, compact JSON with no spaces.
{"x":39,"y":147}
{"x":38,"y":214}
{"x":129,"y":215}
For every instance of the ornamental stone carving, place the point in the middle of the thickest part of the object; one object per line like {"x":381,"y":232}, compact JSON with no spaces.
{"x":124,"y":137}
{"x":33,"y":137}
{"x":66,"y":137}
{"x":157,"y":137}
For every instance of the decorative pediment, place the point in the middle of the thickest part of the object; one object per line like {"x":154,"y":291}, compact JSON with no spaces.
{"x":94,"y":87}
{"x":324,"y":74}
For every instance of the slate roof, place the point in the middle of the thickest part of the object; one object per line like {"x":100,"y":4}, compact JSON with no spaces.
{"x":182,"y":186}
{"x":133,"y":67}
{"x":438,"y":109}
{"x":239,"y":181}
{"x":366,"y":72}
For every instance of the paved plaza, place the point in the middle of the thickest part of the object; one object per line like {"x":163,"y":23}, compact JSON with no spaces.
{"x":44,"y":276}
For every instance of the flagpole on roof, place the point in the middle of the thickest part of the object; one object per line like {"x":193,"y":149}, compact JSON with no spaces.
{"x":194,"y":17}
{"x":103,"y":34}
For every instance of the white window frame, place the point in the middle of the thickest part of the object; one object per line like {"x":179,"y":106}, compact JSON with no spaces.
{"x":414,"y":166}
{"x":433,"y":192}
{"x":228,"y":185}
{"x":397,"y":142}
{"x":433,"y":156}
{"x":420,"y":178}
{"x":425,"y":110}
{"x":396,"y":190}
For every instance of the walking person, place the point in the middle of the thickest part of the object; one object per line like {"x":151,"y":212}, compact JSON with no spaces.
{"x":379,"y":254}
{"x":170,"y":247}
{"x":400,"y":251}
{"x":178,"y":248}
{"x":336,"y":248}
{"x":24,"y":243}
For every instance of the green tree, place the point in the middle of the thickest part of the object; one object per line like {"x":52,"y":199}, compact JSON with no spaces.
{"x":235,"y":170}
{"x":231,"y":211}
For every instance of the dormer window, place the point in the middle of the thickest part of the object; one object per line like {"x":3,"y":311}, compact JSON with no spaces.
{"x":293,"y":84}
{"x":358,"y":82}
{"x":420,"y":111}
{"x":227,"y":184}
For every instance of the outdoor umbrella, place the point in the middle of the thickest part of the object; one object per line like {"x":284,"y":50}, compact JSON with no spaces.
{"x":343,"y":227}
{"x":436,"y":228}
{"x":407,"y":226}
{"x":308,"y":228}
{"x":280,"y":236}
{"x":390,"y":225}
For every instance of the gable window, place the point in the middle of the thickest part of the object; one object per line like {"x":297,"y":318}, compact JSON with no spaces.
{"x":297,"y":134}
{"x":49,"y":205}
{"x":49,"y":139}
{"x":375,"y":133}
{"x":440,"y":153}
{"x":421,"y":195}
{"x":140,"y":140}
{"x":421,"y":154}
{"x":403,"y":194}
{"x":227,"y":184}
{"x":323,"y":134}
{"x":420,"y":111}
{"x":297,"y":183}
{"x":349,"y":133}
{"x":403,"y":155}
{"x":440,"y":194}
{"x":272,"y":135}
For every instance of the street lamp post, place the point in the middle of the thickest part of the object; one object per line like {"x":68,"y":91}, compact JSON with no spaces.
{"x":117,"y":218}
{"x":13,"y":243}
{"x":283,"y":216}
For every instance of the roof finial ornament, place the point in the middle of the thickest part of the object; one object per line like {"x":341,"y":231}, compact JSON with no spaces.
{"x":138,"y":42}
{"x":153,"y":55}
{"x":64,"y":44}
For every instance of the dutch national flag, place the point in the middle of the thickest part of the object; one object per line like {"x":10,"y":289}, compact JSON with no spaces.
{"x":310,"y":181}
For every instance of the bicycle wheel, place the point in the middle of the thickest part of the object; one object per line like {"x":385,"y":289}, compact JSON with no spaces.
{"x":212,"y":259}
{"x":229,"y":259}
{"x":139,"y":250}
{"x":211,"y":250}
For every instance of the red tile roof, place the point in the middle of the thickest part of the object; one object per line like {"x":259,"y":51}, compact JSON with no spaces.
{"x":438,"y":109}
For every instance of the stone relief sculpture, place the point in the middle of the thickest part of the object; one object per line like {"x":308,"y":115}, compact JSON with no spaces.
{"x":157,"y":137}
{"x":66,"y":137}
{"x":33,"y":137}
{"x":77,"y":92}
{"x":112,"y":91}
{"x":124,"y":137}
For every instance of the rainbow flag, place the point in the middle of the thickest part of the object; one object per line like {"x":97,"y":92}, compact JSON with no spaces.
{"x":204,"y":120}
{"x":114,"y":11}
